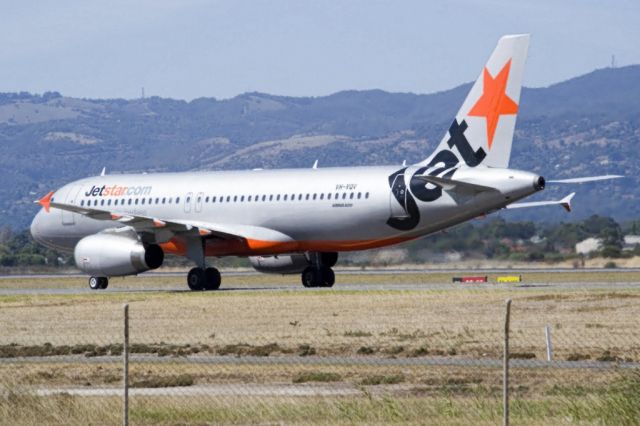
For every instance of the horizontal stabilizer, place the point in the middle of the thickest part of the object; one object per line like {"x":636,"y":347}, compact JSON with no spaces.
{"x":457,"y":186}
{"x":585,"y":179}
{"x":565,"y":202}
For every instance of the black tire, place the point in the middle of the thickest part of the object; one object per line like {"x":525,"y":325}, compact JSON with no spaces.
{"x":212,"y":279}
{"x":195,"y":279}
{"x":310,"y":277}
{"x":94,"y":283}
{"x":104,"y":282}
{"x":328,"y":276}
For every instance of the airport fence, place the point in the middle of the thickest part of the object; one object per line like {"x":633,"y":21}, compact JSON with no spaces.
{"x":346,"y":358}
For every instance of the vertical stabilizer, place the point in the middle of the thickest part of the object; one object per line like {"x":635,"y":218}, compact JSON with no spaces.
{"x":482,"y":131}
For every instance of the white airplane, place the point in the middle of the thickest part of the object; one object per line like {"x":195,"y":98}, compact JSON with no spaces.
{"x":297,"y":220}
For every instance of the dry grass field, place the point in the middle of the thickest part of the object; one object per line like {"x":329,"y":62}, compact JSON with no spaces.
{"x":178,"y":328}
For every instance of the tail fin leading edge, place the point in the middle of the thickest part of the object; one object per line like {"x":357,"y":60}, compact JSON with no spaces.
{"x":482,"y":131}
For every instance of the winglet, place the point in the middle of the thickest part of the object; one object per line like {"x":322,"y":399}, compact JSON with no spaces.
{"x":46,"y":201}
{"x":566,"y":202}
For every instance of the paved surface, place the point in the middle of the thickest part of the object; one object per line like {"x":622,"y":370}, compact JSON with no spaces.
{"x":179,"y":287}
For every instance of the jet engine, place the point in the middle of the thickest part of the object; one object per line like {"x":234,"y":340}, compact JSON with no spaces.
{"x":289,"y":263}
{"x":109,"y":255}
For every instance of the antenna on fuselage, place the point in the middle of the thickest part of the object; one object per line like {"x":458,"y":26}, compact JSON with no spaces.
{"x":404,"y":163}
{"x":315,"y":165}
{"x":103,"y":172}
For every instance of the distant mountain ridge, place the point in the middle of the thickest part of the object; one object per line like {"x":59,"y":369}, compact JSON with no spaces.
{"x":583,"y":126}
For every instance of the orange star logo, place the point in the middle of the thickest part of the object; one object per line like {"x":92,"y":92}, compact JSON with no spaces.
{"x":494,"y":101}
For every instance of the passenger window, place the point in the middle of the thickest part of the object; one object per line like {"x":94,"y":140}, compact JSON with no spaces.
{"x":164,"y":200}
{"x":351,"y":196}
{"x":249,"y":198}
{"x":177,"y":200}
{"x":271,"y":197}
{"x":199,"y":200}
{"x":366,"y":195}
{"x":264,"y":197}
{"x":136,"y":202}
{"x":307,"y":197}
{"x":157,"y":200}
{"x":344,"y":195}
{"x":228,"y":198}
{"x":359,"y":195}
{"x":278,"y":197}
{"x":314,"y":196}
{"x":142,"y":201}
{"x":329,"y":196}
{"x":82,"y":202}
{"x":299,"y":197}
{"x":322,"y":196}
{"x":213,"y":199}
{"x":285,"y":197}
{"x":129,"y":201}
{"x":150,"y":200}
{"x":206,"y":200}
{"x":109,"y":202}
{"x":242,"y":199}
{"x":235,"y":198}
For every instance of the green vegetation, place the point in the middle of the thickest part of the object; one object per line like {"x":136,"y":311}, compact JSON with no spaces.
{"x":162,"y":381}
{"x":317,"y":376}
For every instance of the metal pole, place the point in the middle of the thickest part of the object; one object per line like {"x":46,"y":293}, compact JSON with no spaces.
{"x":547,"y":334}
{"x":125,"y":373}
{"x":505,"y":370}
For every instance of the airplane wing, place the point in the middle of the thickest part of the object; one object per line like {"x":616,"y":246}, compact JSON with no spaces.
{"x":565,"y":202}
{"x":148,"y":224}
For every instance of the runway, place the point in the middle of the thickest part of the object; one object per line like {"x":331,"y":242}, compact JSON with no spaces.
{"x":346,"y":281}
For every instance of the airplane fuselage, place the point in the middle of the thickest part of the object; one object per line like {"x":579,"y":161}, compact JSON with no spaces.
{"x":325,"y":209}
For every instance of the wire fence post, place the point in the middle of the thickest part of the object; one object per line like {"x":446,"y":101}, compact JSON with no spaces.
{"x":125,"y":369}
{"x":547,"y":335}
{"x":505,"y":366}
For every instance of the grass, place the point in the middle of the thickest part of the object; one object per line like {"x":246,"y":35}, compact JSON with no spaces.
{"x":162,"y":381}
{"x":463,"y":322}
{"x":317,"y":376}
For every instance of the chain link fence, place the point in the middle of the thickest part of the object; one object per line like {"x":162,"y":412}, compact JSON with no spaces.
{"x":320,"y":356}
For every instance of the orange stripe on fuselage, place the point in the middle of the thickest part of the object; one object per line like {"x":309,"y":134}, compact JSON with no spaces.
{"x":248,"y":247}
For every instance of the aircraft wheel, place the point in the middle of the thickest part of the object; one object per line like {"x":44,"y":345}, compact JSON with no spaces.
{"x":104,"y":282}
{"x":94,"y":283}
{"x":328,"y":277}
{"x":195,"y":279}
{"x":212,"y":279}
{"x":310,"y":277}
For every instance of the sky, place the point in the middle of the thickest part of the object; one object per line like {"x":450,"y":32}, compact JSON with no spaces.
{"x":187,"y":49}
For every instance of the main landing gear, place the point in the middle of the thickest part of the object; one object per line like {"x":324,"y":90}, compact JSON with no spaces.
{"x":98,"y":283}
{"x":204,"y":279}
{"x":320,"y":274}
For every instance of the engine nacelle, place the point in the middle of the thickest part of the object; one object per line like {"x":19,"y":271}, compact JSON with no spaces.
{"x":109,"y":255}
{"x":280,"y":264}
{"x":289,"y":263}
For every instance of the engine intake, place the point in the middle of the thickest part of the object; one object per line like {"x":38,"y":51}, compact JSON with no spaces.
{"x":112,"y":255}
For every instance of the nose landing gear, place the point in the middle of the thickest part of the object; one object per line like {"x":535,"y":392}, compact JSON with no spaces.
{"x":98,"y":283}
